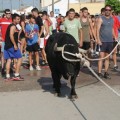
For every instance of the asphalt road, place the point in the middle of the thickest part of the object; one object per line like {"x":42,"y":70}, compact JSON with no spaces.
{"x":33,"y":99}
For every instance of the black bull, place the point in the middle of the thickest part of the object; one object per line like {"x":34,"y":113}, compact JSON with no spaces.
{"x":60,"y":67}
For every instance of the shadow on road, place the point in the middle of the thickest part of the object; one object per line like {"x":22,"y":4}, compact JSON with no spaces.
{"x":47,"y":85}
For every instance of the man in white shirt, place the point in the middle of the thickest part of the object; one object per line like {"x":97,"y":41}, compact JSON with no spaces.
{"x":54,"y":22}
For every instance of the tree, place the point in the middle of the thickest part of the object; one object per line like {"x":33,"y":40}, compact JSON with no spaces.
{"x":114,"y":3}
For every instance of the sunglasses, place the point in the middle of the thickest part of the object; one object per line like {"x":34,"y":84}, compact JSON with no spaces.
{"x":107,"y":9}
{"x":7,"y":13}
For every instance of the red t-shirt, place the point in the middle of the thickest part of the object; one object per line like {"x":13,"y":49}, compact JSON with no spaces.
{"x":4,"y":23}
{"x":116,"y":25}
{"x":58,"y":23}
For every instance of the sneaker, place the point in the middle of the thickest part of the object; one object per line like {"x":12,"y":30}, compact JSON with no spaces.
{"x":38,"y":68}
{"x":46,"y":64}
{"x":100,"y":75}
{"x":107,"y":76}
{"x":8,"y":79}
{"x":31,"y":68}
{"x":43,"y":63}
{"x":18,"y":78}
{"x":116,"y":68}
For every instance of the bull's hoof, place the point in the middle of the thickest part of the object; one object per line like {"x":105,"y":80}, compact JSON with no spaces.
{"x":57,"y":94}
{"x":72,"y":97}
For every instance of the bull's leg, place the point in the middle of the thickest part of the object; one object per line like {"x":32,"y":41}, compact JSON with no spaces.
{"x":73,"y":92}
{"x":56,"y":82}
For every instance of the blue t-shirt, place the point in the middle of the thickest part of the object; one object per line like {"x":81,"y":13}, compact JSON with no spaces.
{"x":32,"y":31}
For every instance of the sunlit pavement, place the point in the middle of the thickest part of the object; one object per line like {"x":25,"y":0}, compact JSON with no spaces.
{"x":33,"y":99}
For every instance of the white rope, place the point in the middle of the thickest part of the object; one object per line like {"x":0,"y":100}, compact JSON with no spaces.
{"x":86,"y":63}
{"x":114,"y":91}
{"x":104,"y":57}
{"x":67,"y":59}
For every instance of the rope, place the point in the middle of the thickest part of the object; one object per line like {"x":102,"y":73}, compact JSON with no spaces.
{"x":104,"y":57}
{"x":86,"y":63}
{"x":67,"y":59}
{"x":114,"y":91}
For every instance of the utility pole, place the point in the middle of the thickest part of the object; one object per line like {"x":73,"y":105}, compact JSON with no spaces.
{"x":53,"y":5}
{"x":33,"y":4}
{"x":2,"y":5}
{"x":19,"y":4}
{"x":11,"y":4}
{"x":68,"y":4}
{"x":80,"y":3}
{"x":40,"y":4}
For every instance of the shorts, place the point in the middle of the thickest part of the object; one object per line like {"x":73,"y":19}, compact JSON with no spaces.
{"x":54,"y":31}
{"x":114,"y":44}
{"x":2,"y":47}
{"x":86,"y":45}
{"x":41,"y":42}
{"x":33,"y":48}
{"x":106,"y":47}
{"x":45,"y":42}
{"x":11,"y":53}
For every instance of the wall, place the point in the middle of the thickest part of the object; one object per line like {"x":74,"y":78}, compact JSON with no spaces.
{"x":93,"y":8}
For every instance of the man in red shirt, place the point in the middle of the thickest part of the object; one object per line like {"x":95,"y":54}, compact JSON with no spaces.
{"x":58,"y":22}
{"x":4,"y":23}
{"x":115,"y":27}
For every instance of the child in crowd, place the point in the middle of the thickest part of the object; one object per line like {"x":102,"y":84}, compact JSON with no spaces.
{"x":32,"y":35}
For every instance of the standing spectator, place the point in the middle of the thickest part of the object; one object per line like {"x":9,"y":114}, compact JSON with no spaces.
{"x":4,"y":23}
{"x":73,"y":27}
{"x":105,"y":33}
{"x":39,"y":22}
{"x":22,"y":33}
{"x":11,"y":49}
{"x":54,"y":22}
{"x":46,"y":35}
{"x":58,"y":22}
{"x":32,"y":35}
{"x":87,"y":28}
{"x":115,"y":27}
{"x":62,"y":29}
{"x":119,"y":23}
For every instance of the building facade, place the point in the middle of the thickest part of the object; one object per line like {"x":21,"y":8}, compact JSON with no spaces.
{"x":61,"y":6}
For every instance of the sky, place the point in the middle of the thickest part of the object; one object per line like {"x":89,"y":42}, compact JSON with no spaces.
{"x":16,"y":4}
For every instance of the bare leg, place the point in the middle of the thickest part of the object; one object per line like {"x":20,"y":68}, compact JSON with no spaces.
{"x":2,"y":60}
{"x":106,"y":63}
{"x":18,"y":65}
{"x":115,"y":58}
{"x":37,"y":58}
{"x":30,"y":58}
{"x":44,"y":55}
{"x":8,"y":63}
{"x":22,"y":44}
{"x":100,"y":62}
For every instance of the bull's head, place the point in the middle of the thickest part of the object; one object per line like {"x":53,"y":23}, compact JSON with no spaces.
{"x":72,"y":56}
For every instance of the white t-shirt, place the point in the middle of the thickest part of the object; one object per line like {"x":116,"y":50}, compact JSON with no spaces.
{"x":54,"y":22}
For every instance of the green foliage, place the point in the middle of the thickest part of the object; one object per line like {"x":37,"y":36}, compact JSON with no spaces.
{"x":114,"y":3}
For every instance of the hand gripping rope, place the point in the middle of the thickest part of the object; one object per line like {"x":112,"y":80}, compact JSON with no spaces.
{"x":86,"y":62}
{"x":118,"y":43}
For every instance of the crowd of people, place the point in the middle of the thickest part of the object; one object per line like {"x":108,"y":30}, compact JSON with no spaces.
{"x":26,"y":36}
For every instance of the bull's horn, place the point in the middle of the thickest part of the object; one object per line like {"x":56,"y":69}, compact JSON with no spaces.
{"x":82,"y":51}
{"x":57,"y":48}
